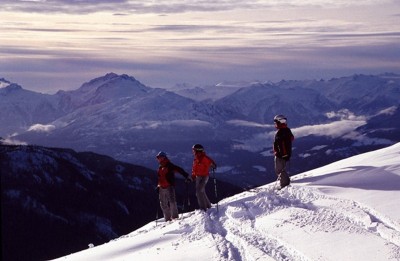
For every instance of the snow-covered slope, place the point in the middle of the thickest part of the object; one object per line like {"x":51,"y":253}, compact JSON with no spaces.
{"x":258,"y":102}
{"x":110,"y":87}
{"x":209,"y":92}
{"x":348,"y":210}
{"x":20,"y":109}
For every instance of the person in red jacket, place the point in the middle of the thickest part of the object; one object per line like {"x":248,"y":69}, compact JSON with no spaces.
{"x":166,"y":185}
{"x":200,"y":173}
{"x":282,"y":149}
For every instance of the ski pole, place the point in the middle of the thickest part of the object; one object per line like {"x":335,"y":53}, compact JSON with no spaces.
{"x":158,"y":202}
{"x":183,"y":203}
{"x":215,"y":188}
{"x":186,"y":199}
{"x":187,"y":195}
{"x":157,"y":215}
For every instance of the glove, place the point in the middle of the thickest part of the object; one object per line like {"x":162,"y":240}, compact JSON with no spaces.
{"x":214,"y":167}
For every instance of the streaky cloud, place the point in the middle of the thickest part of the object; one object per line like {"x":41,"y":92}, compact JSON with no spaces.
{"x":249,"y":124}
{"x":164,"y":6}
{"x":341,"y":128}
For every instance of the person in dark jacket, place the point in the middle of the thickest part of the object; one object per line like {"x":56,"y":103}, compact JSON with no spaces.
{"x":166,"y":185}
{"x":282,"y":149}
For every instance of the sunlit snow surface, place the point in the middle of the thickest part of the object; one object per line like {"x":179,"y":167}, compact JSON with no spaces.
{"x":348,"y":210}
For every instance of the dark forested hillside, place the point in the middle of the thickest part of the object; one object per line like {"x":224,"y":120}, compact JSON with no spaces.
{"x":57,"y":201}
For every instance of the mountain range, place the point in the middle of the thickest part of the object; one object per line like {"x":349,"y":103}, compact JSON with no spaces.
{"x":118,"y":116}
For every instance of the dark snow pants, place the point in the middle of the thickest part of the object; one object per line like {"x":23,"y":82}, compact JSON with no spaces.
{"x":280,"y":171}
{"x":202,"y":199}
{"x":168,"y":203}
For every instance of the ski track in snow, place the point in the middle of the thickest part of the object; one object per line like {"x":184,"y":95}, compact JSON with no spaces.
{"x":257,"y":225}
{"x":238,"y":232}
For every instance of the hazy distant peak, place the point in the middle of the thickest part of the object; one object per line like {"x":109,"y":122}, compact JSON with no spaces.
{"x":12,"y":87}
{"x":113,"y":76}
{"x":110,"y":75}
{"x":110,"y":79}
{"x":4,"y":83}
{"x":236,"y":84}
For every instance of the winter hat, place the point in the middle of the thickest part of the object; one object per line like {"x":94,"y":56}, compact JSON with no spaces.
{"x":197,"y":147}
{"x":280,"y":119}
{"x":161,"y":154}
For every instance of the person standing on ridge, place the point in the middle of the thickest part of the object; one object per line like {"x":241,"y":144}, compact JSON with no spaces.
{"x":166,"y":185}
{"x":200,"y":173}
{"x":282,"y":149}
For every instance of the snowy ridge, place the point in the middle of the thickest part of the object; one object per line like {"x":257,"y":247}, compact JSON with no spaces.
{"x":347,"y":210}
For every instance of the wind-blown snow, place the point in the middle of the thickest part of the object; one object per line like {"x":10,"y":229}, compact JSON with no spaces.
{"x":348,"y":210}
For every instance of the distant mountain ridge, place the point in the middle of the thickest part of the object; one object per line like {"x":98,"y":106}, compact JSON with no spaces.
{"x":118,"y":116}
{"x":20,"y":108}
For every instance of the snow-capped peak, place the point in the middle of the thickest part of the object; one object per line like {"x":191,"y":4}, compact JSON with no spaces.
{"x":8,"y":87}
{"x":4,"y":83}
{"x":111,"y":79}
{"x":108,"y":87}
{"x":11,"y":88}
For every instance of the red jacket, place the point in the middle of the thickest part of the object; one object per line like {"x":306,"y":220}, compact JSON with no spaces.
{"x":166,"y":173}
{"x":201,"y":165}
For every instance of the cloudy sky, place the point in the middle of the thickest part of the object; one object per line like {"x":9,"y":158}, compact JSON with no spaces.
{"x":47,"y":45}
